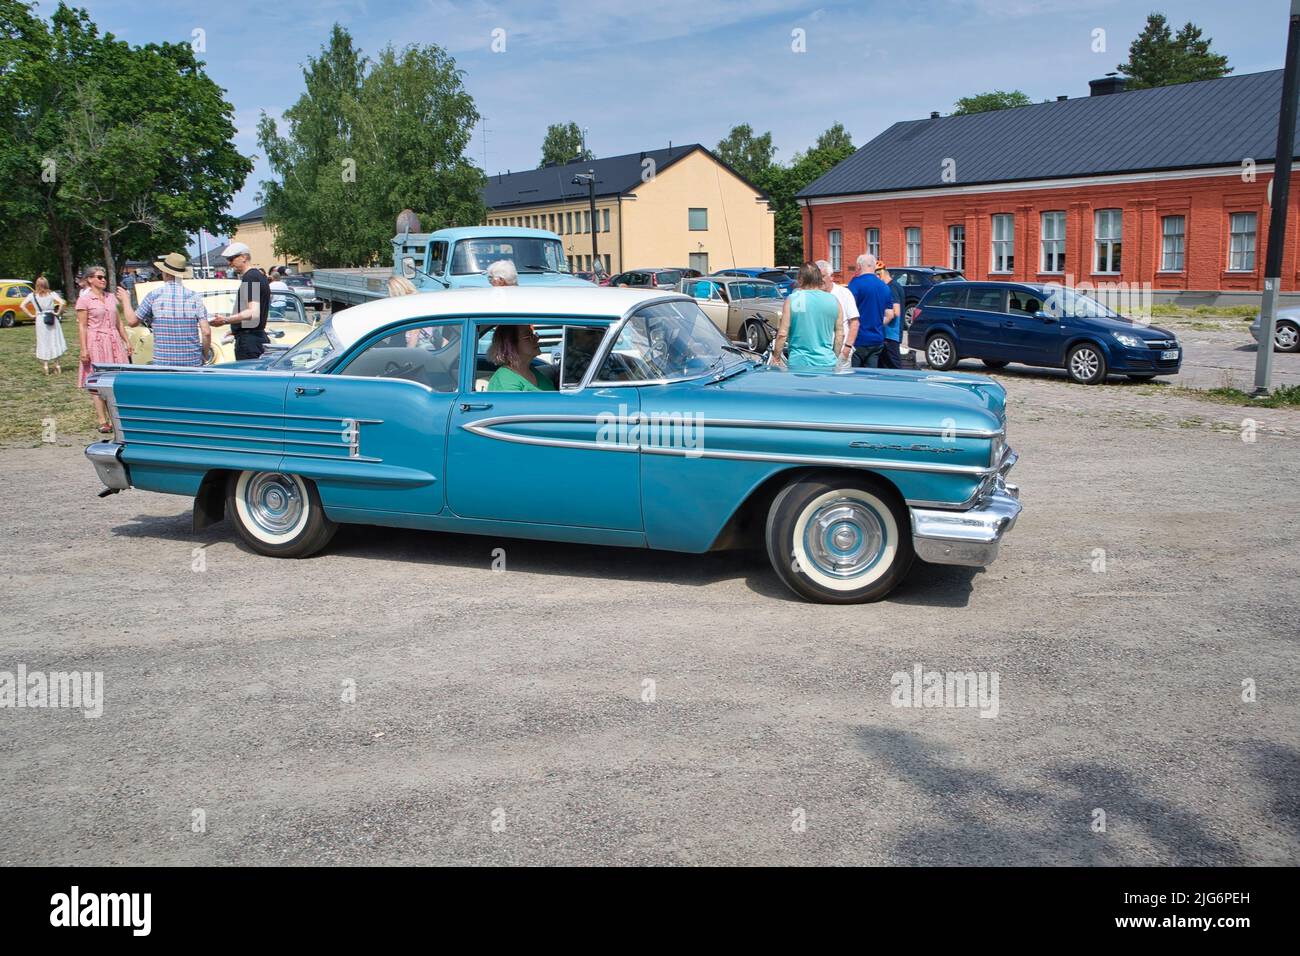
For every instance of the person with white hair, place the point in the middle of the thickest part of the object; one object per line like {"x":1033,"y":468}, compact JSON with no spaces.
{"x":848,"y":307}
{"x":874,"y":301}
{"x":502,"y":272}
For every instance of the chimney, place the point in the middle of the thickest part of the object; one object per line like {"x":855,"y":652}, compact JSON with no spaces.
{"x":1062,"y":98}
{"x":1110,"y":83}
{"x":934,"y":114}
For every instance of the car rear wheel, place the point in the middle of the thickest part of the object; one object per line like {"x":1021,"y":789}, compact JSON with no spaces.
{"x":755,"y":335}
{"x":277,"y":514}
{"x":994,"y":363}
{"x":8,"y":319}
{"x":1086,"y":365}
{"x":941,"y":352}
{"x":839,"y":538}
{"x":1286,"y":337}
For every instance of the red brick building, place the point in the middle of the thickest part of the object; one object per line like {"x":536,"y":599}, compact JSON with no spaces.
{"x":1167,"y":186}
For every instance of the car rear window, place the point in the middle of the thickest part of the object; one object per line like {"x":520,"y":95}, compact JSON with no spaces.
{"x":948,"y":276}
{"x":774,"y":276}
{"x":987,"y":299}
{"x":665,"y":278}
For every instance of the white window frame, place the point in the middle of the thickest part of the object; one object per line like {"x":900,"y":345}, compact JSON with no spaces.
{"x":1108,"y":241}
{"x":835,"y":247}
{"x":912,"y":245}
{"x":1051,"y":258}
{"x":1004,"y":245}
{"x":1242,"y":242}
{"x":1173,"y":245}
{"x":957,"y":247}
{"x":873,"y":241}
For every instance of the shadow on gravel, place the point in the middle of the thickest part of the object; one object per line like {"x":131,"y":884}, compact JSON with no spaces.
{"x":985,"y":820}
{"x":926,"y":585}
{"x":1279,"y":767}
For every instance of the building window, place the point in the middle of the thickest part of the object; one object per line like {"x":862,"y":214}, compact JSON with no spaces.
{"x":698,"y":219}
{"x":604,"y":220}
{"x":1053,"y":240}
{"x":568,"y":223}
{"x":957,"y":248}
{"x":1004,"y":243}
{"x":833,"y":240}
{"x":913,"y":248}
{"x":1108,"y":233}
{"x":606,"y":258}
{"x":1173,"y":230}
{"x":873,"y":242}
{"x":1241,"y":242}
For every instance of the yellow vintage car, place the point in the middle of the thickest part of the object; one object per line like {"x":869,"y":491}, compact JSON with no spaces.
{"x":286,"y":322}
{"x":12,"y":293}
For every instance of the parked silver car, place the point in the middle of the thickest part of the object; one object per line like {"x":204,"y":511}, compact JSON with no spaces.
{"x":1286,"y":334}
{"x":744,"y":309}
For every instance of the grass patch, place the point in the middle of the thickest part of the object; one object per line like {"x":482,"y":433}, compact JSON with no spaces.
{"x":29,"y":397}
{"x":1284,"y":396}
{"x":1169,"y":310}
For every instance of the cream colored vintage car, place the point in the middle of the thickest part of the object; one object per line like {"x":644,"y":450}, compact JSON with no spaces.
{"x":287,"y":321}
{"x":744,"y":309}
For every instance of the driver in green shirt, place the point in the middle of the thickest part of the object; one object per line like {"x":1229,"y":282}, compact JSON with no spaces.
{"x":513,"y":349}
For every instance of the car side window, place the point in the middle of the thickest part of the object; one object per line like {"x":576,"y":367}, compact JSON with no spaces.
{"x":987,"y":300}
{"x":565,"y":352}
{"x":427,"y":354}
{"x":1023,"y":302}
{"x":438,"y":258}
{"x":948,"y":298}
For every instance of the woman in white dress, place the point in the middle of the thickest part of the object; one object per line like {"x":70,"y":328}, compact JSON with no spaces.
{"x":50,"y":343}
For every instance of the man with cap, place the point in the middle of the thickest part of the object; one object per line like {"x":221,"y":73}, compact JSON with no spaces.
{"x":175,"y":314}
{"x":248,"y":322}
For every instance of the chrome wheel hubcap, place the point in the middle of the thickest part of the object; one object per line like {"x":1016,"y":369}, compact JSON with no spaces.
{"x":275,"y":502}
{"x":1285,"y":337}
{"x":939,"y":352}
{"x":1084,"y":364}
{"x":844,"y":538}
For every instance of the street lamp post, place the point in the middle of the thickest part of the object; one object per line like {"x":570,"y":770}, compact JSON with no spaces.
{"x":589,"y":179}
{"x":1281,"y":195}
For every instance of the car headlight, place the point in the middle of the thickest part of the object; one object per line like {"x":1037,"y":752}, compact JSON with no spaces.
{"x":1132,"y":341}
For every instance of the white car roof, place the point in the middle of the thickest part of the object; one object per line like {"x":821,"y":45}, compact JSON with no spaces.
{"x":573,"y":301}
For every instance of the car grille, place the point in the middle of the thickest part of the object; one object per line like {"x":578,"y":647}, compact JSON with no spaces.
{"x":1162,"y":343}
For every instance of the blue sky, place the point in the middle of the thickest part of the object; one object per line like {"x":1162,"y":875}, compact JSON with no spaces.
{"x":638,"y":75}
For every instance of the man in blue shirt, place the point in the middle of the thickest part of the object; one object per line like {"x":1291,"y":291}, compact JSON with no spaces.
{"x":874,"y":303}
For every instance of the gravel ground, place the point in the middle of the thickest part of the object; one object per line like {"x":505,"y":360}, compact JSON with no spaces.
{"x":501,"y":717}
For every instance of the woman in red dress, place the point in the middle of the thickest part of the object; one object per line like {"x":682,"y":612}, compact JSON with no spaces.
{"x":103,"y":335}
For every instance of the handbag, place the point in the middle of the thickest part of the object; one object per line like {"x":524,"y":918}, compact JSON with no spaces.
{"x":49,"y":316}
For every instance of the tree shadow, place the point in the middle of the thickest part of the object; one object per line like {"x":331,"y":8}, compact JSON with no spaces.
{"x":1279,"y":767}
{"x":983,"y":820}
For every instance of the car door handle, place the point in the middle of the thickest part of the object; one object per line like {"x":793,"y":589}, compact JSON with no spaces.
{"x":300,"y":390}
{"x":475,"y":406}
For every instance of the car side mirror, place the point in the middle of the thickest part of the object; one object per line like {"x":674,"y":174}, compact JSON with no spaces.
{"x":1044,"y":316}
{"x":408,"y":267}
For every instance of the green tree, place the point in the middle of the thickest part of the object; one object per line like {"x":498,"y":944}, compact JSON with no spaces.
{"x":117,"y":150}
{"x":1158,"y":57}
{"x":782,"y":183}
{"x":564,"y":144}
{"x":987,"y":102}
{"x":836,"y":139}
{"x":746,"y":153}
{"x":366,"y":140}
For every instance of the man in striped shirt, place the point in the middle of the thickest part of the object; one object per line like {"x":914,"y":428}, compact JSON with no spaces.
{"x":176,"y":315}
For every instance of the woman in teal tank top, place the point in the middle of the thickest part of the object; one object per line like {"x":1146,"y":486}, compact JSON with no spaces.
{"x":811,"y":325}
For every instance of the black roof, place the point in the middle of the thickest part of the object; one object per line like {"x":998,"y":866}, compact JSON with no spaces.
{"x":257,"y":215}
{"x":1188,"y":126}
{"x":615,"y":176}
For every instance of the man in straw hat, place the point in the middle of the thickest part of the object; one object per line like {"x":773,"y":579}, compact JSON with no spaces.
{"x":176,"y":315}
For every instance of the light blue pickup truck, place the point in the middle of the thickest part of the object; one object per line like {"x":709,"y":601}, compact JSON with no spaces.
{"x":452,"y":259}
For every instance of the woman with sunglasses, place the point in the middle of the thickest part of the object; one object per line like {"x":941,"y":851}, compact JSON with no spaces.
{"x":103,"y":336}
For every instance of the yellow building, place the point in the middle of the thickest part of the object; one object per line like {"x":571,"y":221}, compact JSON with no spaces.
{"x":664,"y":208}
{"x":260,"y":239}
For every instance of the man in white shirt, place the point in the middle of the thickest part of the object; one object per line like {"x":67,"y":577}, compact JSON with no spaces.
{"x":848,"y":306}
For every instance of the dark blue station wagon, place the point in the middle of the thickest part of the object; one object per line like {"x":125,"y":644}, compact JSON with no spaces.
{"x":1043,"y":325}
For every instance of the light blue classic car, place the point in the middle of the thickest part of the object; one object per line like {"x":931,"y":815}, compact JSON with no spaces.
{"x":659,"y":433}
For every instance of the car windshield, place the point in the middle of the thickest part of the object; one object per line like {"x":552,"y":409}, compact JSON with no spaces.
{"x":764,"y":290}
{"x":310,"y":353}
{"x":284,"y":307}
{"x":297,"y":280}
{"x":529,"y":255}
{"x":667,"y":340}
{"x":1060,"y":301}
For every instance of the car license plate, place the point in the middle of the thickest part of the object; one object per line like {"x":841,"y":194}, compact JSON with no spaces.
{"x":1168,"y":355}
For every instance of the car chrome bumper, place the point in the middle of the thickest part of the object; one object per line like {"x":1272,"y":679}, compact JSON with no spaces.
{"x":106,"y":457}
{"x":968,"y":537}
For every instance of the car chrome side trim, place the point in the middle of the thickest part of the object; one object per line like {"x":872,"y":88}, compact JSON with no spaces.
{"x":784,"y":425}
{"x":288,"y":452}
{"x":280,"y":415}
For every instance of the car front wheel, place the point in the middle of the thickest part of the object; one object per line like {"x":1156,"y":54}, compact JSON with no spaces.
{"x":839,"y":538}
{"x":1286,"y":337}
{"x":755,"y":336}
{"x":277,"y":514}
{"x":1086,"y":365}
{"x":941,"y":352}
